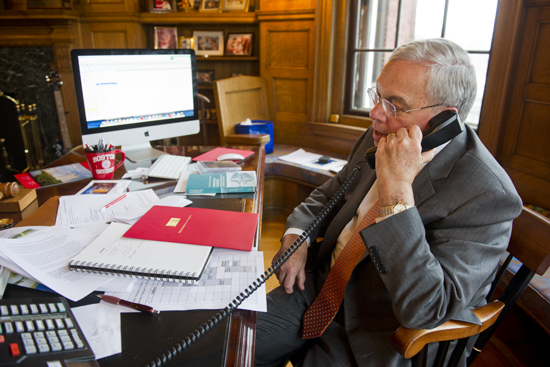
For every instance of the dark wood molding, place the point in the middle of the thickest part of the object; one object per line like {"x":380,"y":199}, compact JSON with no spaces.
{"x":499,"y":74}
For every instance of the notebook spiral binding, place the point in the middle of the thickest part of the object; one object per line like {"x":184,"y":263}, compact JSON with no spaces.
{"x":133,"y":272}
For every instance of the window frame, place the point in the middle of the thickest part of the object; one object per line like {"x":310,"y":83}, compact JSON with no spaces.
{"x":351,"y":114}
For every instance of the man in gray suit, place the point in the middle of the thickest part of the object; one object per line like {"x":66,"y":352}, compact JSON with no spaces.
{"x":445,"y":221}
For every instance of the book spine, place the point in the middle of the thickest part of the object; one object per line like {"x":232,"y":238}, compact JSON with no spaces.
{"x":210,"y":190}
{"x":241,"y":189}
{"x":134,"y":272}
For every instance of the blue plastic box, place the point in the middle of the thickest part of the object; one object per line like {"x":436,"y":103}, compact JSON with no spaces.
{"x":258,"y":127}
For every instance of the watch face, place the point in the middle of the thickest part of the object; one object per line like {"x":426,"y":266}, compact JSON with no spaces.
{"x":399,"y":208}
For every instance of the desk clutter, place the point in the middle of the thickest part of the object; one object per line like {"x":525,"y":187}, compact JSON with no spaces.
{"x":135,"y":247}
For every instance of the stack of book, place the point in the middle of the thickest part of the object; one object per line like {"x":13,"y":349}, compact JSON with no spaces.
{"x":216,"y":183}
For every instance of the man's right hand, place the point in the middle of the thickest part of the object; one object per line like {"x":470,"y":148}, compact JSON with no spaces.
{"x":293,"y":270}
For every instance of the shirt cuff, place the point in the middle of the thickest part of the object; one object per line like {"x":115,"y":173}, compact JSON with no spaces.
{"x":379,"y":219}
{"x":298,"y":232}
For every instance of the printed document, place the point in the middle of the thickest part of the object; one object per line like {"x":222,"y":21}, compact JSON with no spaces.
{"x":100,"y":324}
{"x":228,"y":274}
{"x":44,"y":257}
{"x":83,"y":210}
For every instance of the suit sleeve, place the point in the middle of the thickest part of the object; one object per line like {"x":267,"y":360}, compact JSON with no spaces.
{"x":437,"y":260}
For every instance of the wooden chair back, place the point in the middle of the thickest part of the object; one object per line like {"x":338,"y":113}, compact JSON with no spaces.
{"x":237,"y":99}
{"x":530,"y":244}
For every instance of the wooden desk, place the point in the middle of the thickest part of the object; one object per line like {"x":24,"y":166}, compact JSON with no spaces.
{"x":241,"y":329}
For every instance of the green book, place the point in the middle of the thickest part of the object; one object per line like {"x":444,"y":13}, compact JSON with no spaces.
{"x":227,"y":182}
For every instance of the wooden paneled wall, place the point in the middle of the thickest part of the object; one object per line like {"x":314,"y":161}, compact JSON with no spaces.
{"x":515,"y":126}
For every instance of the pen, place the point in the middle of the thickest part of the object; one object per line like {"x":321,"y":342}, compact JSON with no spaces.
{"x":101,"y":145}
{"x":113,"y":202}
{"x":121,"y":302}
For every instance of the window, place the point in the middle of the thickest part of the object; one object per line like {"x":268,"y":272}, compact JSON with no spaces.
{"x":377,"y":27}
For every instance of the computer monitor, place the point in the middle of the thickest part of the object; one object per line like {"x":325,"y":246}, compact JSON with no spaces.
{"x":131,"y":97}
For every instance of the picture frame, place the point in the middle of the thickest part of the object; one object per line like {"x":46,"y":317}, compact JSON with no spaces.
{"x":235,"y":5}
{"x":186,"y":43}
{"x":208,"y":43}
{"x":205,"y":77}
{"x":188,"y":5}
{"x":239,"y":44}
{"x":162,"y":6}
{"x":211,"y":5}
{"x":166,"y":37}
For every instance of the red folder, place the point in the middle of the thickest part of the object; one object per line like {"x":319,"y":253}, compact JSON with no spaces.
{"x":194,"y":226}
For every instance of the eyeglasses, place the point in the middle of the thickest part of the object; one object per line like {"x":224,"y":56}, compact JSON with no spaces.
{"x":388,"y":107}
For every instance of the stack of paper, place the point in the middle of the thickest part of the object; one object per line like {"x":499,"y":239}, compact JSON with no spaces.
{"x":311,"y":160}
{"x":44,"y":257}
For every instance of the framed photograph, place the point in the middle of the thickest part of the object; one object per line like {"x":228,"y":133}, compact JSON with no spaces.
{"x":162,"y":6}
{"x":211,"y":5}
{"x":235,"y":5}
{"x":186,"y":43}
{"x":205,"y":77}
{"x":166,"y":37}
{"x":239,"y":44}
{"x":188,"y":5}
{"x":208,"y":43}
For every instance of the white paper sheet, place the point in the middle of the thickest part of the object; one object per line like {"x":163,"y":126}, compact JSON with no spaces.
{"x":118,"y":284}
{"x":226,"y":276}
{"x":45,"y":256}
{"x":83,"y":210}
{"x":94,"y":229}
{"x":300,"y":157}
{"x":133,"y":216}
{"x":21,"y":231}
{"x":100,"y":324}
{"x":184,"y":177}
{"x":136,"y":173}
{"x":18,"y":232}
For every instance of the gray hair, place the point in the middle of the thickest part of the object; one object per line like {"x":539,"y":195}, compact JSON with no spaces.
{"x":451,"y":75}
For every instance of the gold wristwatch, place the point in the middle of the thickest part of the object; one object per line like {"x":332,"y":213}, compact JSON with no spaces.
{"x":393,"y":209}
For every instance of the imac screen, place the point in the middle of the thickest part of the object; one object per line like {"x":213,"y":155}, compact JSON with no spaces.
{"x":132,"y":96}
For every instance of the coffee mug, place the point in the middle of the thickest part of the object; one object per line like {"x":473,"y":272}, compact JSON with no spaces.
{"x":102,"y":164}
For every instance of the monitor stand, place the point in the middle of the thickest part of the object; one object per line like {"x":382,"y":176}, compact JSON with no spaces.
{"x":142,"y":152}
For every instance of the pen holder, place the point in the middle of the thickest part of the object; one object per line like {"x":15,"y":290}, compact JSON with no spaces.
{"x":102,"y":164}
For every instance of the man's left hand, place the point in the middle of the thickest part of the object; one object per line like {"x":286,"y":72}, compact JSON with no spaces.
{"x":399,"y":158}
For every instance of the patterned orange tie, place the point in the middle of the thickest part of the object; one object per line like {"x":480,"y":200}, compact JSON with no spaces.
{"x":324,"y":308}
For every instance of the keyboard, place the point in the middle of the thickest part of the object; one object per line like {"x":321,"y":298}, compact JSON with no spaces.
{"x":168,"y":166}
{"x":40,"y":332}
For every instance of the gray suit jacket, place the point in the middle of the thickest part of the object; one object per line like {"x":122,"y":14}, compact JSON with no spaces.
{"x":433,"y":262}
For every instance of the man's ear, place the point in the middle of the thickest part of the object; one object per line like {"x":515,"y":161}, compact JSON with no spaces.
{"x":454,"y":109}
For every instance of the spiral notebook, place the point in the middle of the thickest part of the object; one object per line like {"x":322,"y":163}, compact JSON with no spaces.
{"x":112,"y":254}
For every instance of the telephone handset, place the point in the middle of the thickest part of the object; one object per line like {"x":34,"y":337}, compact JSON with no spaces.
{"x":443,"y":127}
{"x":223,"y":314}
